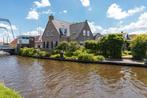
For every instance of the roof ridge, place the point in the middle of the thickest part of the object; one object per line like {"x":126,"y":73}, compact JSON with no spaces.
{"x":78,"y":23}
{"x":62,"y":21}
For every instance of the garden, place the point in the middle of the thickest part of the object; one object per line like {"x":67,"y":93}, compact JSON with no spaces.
{"x":112,"y":46}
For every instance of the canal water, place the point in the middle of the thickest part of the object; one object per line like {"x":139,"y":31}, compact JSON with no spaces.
{"x":35,"y":78}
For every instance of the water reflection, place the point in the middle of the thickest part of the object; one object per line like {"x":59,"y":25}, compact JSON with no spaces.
{"x":52,"y":79}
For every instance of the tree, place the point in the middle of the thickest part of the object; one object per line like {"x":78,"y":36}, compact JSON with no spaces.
{"x":139,"y":47}
{"x":111,"y":45}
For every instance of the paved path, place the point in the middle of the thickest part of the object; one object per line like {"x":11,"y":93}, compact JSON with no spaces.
{"x":126,"y":61}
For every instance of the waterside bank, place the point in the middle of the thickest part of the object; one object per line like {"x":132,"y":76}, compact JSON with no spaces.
{"x":121,"y":62}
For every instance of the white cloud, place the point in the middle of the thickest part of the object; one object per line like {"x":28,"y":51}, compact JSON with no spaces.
{"x":95,"y":28}
{"x":35,"y":32}
{"x":140,"y":26}
{"x":63,"y":12}
{"x":8,"y":26}
{"x":115,"y":12}
{"x":33,"y":15}
{"x":42,"y":3}
{"x":49,"y":11}
{"x":85,"y":3}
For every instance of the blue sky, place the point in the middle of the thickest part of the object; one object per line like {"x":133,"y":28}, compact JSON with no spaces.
{"x":104,"y":16}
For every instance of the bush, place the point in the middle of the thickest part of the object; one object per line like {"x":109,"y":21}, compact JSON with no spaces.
{"x":55,"y":56}
{"x":87,"y":57}
{"x":27,"y":51}
{"x":126,"y":52}
{"x":91,"y":44}
{"x":100,"y":58}
{"x":90,"y":57}
{"x":43,"y":54}
{"x":139,"y":47}
{"x":63,"y":46}
{"x":72,"y":57}
{"x":79,"y":51}
{"x":111,"y":45}
{"x":67,"y":47}
{"x":32,"y":52}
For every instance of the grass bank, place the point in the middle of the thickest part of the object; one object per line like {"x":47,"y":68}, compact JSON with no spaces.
{"x":7,"y":92}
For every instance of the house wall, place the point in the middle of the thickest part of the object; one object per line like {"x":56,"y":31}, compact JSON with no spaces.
{"x":50,"y":37}
{"x":81,"y":38}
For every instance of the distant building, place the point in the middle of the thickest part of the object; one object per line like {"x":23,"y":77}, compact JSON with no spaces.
{"x":57,"y":31}
{"x":38,"y":41}
{"x":97,"y":36}
{"x":23,"y":41}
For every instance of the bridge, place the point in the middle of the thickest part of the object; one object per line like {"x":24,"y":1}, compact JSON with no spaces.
{"x":6,"y":47}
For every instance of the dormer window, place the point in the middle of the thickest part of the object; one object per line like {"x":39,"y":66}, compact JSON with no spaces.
{"x":63,"y":31}
{"x":84,"y":32}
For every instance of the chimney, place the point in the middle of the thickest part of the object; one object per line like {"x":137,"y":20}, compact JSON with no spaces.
{"x":51,"y":17}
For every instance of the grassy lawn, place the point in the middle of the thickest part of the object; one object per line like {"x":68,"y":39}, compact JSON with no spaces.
{"x":8,"y":93}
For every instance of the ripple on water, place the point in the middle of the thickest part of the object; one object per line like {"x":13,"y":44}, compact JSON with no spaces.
{"x":52,"y":79}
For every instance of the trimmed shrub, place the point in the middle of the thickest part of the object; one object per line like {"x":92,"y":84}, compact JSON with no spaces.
{"x":92,"y":46}
{"x":100,"y":58}
{"x":27,"y":51}
{"x":43,"y":54}
{"x":111,"y":45}
{"x":139,"y":47}
{"x":67,"y":47}
{"x":32,"y":52}
{"x":64,"y":45}
{"x":87,"y":57}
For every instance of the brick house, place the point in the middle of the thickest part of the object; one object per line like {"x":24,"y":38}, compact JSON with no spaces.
{"x":57,"y":31}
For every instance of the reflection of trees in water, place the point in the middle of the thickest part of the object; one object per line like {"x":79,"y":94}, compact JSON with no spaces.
{"x":139,"y":80}
{"x":67,"y":79}
{"x":110,"y":78}
{"x":64,"y":78}
{"x":23,"y":61}
{"x":140,"y":74}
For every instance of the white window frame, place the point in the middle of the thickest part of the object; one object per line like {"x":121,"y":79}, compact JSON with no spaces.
{"x":84,"y":33}
{"x":88,"y":33}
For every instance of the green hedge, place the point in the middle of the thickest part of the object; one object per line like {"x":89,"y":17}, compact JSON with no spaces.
{"x":90,"y":57}
{"x":111,"y":45}
{"x":32,"y":52}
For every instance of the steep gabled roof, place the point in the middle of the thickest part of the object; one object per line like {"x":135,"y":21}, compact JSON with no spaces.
{"x":75,"y":29}
{"x":62,"y":24}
